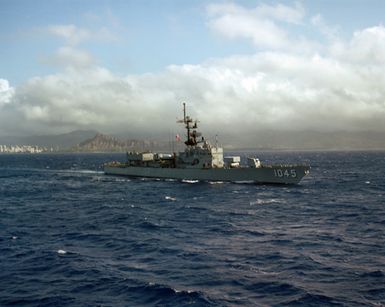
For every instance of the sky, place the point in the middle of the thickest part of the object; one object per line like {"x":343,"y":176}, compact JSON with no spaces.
{"x":241,"y":66}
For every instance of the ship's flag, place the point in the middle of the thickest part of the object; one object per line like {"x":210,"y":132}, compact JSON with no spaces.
{"x":177,"y":137}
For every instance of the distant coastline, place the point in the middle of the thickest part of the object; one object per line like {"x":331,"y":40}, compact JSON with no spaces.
{"x":91,"y":141}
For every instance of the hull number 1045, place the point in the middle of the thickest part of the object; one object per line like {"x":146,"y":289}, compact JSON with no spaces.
{"x":285,"y":173}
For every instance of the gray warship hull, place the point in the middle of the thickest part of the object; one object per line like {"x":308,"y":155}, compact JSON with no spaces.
{"x":274,"y":174}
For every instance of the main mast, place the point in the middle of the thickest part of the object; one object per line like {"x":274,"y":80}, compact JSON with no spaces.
{"x":190,"y":126}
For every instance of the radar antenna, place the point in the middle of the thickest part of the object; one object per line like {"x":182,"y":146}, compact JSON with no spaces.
{"x":190,"y":126}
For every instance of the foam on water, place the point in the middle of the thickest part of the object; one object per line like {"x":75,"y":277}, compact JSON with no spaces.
{"x":170,"y":198}
{"x":216,"y":182}
{"x":190,"y":181}
{"x":81,"y":171}
{"x":265,"y":201}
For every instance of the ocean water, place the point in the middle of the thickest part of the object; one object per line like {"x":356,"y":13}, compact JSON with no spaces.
{"x":72,"y":236}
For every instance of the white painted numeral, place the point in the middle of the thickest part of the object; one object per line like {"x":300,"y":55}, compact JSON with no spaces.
{"x":285,"y":173}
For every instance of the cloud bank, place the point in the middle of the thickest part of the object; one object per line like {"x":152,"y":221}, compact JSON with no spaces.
{"x":338,"y":86}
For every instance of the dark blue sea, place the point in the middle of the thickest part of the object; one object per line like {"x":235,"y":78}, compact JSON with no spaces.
{"x":72,"y":236}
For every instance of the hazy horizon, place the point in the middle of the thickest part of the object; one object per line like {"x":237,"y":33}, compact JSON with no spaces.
{"x":262,"y":140}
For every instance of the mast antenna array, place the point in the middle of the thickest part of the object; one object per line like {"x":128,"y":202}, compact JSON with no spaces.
{"x":190,"y":126}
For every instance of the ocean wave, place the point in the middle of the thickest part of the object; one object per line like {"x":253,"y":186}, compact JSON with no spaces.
{"x":85,"y":239}
{"x":158,"y":294}
{"x":375,"y":274}
{"x":309,"y":299}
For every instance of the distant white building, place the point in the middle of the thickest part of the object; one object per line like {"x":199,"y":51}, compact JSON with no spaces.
{"x":22,"y":149}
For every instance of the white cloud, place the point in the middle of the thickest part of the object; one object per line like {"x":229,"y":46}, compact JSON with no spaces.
{"x":6,"y":92}
{"x":70,"y":57}
{"x":366,"y":47}
{"x":330,"y":32}
{"x":71,"y":33}
{"x":74,"y":35}
{"x":278,"y":12}
{"x":282,"y":12}
{"x":261,"y":24}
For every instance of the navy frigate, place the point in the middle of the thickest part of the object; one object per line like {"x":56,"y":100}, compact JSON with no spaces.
{"x":205,"y":162}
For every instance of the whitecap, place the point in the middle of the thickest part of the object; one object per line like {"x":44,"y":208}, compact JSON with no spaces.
{"x":256,"y":202}
{"x":265,"y":201}
{"x":80,"y":171}
{"x":13,"y":237}
{"x":244,"y":181}
{"x":170,"y":198}
{"x":215,"y":182}
{"x":116,"y":179}
{"x":88,"y":171}
{"x":183,"y":291}
{"x":190,"y":181}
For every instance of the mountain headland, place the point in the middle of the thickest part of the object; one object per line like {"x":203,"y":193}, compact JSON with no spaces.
{"x":106,"y":143}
